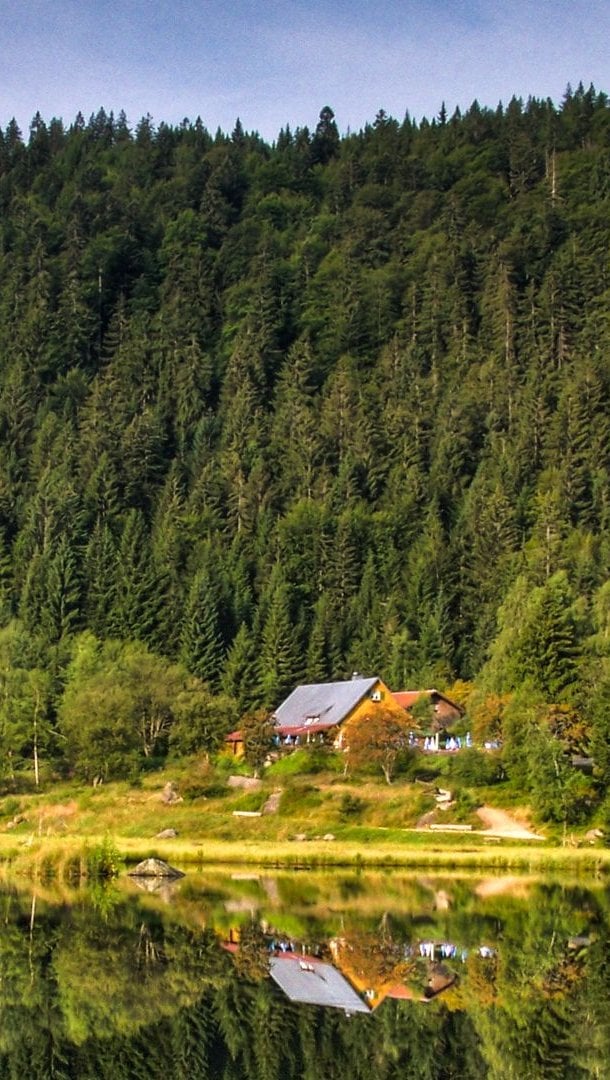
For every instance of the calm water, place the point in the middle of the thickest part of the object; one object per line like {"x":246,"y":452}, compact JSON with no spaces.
{"x":318,"y":976}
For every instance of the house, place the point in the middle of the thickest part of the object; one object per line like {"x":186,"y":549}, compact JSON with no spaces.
{"x":316,"y":711}
{"x":234,"y":744}
{"x":446,"y":711}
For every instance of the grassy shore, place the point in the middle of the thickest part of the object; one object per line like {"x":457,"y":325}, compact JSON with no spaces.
{"x":56,"y":855}
{"x":369,"y":825}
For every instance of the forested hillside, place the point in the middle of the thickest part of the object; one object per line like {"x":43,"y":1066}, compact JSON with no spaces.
{"x":279,"y":412}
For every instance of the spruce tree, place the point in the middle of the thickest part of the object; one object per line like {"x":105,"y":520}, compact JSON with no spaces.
{"x":201,"y":649}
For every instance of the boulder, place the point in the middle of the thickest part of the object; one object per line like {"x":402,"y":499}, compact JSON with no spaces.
{"x":273,"y":803}
{"x":17,"y":820}
{"x":155,"y":868}
{"x":170,"y":795}
{"x":328,"y":836}
{"x":594,"y":834}
{"x":166,"y":834}
{"x":246,"y":783}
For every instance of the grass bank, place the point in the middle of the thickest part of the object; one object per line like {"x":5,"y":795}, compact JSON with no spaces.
{"x":369,"y":824}
{"x":51,"y":856}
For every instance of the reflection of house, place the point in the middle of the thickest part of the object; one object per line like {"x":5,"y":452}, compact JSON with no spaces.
{"x":310,"y":712}
{"x":312,"y":982}
{"x":416,"y":977}
{"x":438,"y":979}
{"x":445,"y":710}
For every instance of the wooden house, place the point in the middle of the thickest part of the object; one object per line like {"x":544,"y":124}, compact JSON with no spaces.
{"x":318,"y":712}
{"x":445,"y":711}
{"x":234,"y":744}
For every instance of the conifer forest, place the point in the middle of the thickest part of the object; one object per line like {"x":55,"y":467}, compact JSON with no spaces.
{"x":273,"y":413}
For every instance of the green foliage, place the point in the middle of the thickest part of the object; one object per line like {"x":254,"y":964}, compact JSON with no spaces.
{"x":474,"y":768}
{"x":278,"y":411}
{"x":257,"y":733}
{"x":305,"y":762}
{"x":351,"y":806}
{"x":102,"y":861}
{"x":300,"y":798}
{"x":201,"y":719}
{"x":378,"y":740}
{"x":422,"y":712}
{"x":251,"y":801}
{"x":121,"y":702}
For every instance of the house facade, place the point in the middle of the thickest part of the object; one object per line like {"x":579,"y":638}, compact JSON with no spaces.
{"x":446,"y":711}
{"x":319,"y":712}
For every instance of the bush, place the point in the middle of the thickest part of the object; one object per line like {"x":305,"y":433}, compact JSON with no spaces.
{"x":252,"y":801}
{"x":10,"y":807}
{"x":305,"y":762}
{"x":102,"y":861}
{"x":297,"y":799}
{"x":351,"y":806}
{"x":203,"y":782}
{"x":203,"y":789}
{"x":465,"y":806}
{"x":475,"y":768}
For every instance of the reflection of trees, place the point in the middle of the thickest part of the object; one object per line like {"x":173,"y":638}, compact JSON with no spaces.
{"x":120,"y":977}
{"x":125,"y":992}
{"x":372,"y":957}
{"x":252,"y":956}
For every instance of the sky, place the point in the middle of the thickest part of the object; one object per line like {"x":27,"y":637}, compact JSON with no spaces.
{"x":278,"y":62}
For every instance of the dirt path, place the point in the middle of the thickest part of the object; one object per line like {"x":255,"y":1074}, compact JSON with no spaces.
{"x":499,"y":823}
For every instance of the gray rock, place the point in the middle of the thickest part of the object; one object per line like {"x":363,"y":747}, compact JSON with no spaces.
{"x":328,"y":836}
{"x":170,"y":795}
{"x":594,"y":834}
{"x":299,"y":836}
{"x":247,"y":783}
{"x":166,"y":834}
{"x":273,"y":803}
{"x":155,"y":868}
{"x":16,"y":821}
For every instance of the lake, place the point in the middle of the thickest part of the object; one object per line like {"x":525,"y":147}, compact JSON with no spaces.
{"x":288,"y":975}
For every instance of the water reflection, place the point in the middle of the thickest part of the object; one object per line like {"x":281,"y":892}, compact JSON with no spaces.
{"x":307,"y":975}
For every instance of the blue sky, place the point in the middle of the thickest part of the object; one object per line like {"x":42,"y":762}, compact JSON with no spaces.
{"x":280,"y":61}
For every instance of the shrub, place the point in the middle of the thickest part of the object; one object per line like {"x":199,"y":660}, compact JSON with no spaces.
{"x":305,"y":762}
{"x":102,"y":861}
{"x":252,"y":801}
{"x":10,"y":807}
{"x":473,"y":767}
{"x":465,"y":806}
{"x":351,"y":805}
{"x":296,"y":799}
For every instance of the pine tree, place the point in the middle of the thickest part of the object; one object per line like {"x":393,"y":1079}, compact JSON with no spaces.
{"x":239,"y":672}
{"x":60,"y":612}
{"x":279,"y":665}
{"x":137,"y":589}
{"x":200,"y":641}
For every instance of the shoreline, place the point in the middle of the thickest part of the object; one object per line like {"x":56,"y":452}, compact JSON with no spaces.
{"x":42,"y":856}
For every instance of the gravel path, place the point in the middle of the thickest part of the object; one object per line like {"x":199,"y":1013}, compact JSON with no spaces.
{"x":499,"y":823}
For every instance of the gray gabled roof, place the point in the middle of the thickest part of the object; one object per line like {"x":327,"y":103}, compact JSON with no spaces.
{"x":315,"y":983}
{"x":324,"y":703}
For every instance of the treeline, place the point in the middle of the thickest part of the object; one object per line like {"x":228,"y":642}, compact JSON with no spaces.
{"x":279,"y":412}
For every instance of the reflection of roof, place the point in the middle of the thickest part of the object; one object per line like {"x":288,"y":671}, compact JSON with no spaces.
{"x":322,"y":705}
{"x":313,"y":982}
